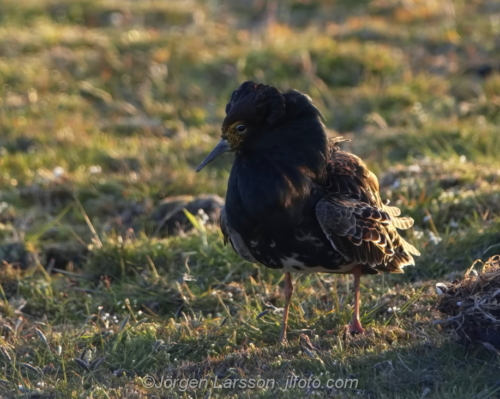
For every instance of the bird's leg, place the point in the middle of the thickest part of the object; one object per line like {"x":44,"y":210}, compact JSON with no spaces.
{"x":355,"y":326}
{"x":288,"y":296}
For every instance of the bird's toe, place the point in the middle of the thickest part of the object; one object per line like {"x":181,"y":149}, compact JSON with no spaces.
{"x":356,"y":328}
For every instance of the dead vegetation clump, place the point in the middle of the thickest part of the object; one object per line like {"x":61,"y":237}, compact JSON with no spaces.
{"x":473,"y":304}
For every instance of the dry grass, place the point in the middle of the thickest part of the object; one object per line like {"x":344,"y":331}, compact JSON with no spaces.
{"x":473,"y":305}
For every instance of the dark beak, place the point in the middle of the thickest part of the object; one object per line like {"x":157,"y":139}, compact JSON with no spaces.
{"x":221,"y":148}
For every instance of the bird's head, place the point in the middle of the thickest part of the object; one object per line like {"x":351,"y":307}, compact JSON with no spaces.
{"x":254,"y":115}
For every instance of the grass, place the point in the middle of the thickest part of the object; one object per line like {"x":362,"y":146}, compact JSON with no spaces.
{"x":107,"y":107}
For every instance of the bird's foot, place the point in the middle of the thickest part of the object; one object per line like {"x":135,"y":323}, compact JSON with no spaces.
{"x":356,"y":328}
{"x":283,"y":340}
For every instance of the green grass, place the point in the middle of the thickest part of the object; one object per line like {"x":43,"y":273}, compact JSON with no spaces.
{"x":107,"y":107}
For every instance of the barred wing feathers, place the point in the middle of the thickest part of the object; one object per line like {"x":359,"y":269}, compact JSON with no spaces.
{"x":356,"y":221}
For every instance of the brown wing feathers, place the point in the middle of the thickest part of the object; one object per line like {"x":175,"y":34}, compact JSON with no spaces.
{"x":355,"y":219}
{"x":357,"y":230}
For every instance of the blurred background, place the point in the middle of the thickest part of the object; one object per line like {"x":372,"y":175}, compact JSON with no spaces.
{"x":106,"y":109}
{"x":112,"y":104}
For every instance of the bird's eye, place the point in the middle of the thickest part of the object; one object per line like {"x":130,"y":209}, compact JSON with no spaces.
{"x":241,"y":128}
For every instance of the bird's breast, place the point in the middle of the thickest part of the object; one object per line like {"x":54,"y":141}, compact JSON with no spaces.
{"x":262,"y":192}
{"x":271,"y":208}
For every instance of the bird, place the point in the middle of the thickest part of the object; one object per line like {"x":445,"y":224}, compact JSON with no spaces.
{"x":296,"y":202}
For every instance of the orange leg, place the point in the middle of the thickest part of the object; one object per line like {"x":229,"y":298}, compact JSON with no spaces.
{"x":355,"y":326}
{"x":288,"y":296}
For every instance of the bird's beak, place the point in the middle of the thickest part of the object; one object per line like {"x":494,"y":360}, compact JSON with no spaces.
{"x":220,"y":148}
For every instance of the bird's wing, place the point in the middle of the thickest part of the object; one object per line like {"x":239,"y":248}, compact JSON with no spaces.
{"x":231,"y":235}
{"x":224,"y":224}
{"x":356,"y":221}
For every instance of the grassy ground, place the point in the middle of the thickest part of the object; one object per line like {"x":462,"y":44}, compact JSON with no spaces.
{"x":107,"y":107}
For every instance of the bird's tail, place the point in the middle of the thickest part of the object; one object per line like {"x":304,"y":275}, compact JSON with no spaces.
{"x":403,"y":250}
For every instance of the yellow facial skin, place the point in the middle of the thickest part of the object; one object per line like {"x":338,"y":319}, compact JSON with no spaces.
{"x":232,"y":136}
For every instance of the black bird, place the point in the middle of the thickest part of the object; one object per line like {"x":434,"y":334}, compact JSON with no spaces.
{"x":296,"y":202}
